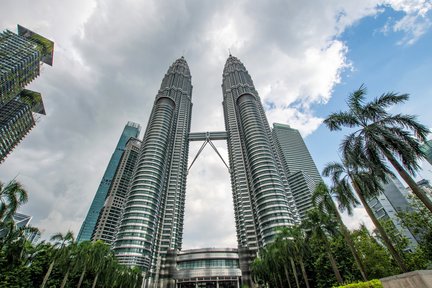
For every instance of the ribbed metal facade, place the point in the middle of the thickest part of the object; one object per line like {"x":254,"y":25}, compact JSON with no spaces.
{"x":152,"y":222}
{"x":294,"y":151}
{"x":303,"y":176}
{"x":110,"y":215}
{"x":262,"y":199}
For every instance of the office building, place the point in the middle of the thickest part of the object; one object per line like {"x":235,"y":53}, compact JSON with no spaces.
{"x":150,"y":232}
{"x":152,"y":222}
{"x":427,"y":149}
{"x":426,"y":186}
{"x":393,"y":199}
{"x":303,"y":176}
{"x":21,"y":56}
{"x":22,"y":221}
{"x":262,"y":199}
{"x":110,"y":215}
{"x":131,"y":130}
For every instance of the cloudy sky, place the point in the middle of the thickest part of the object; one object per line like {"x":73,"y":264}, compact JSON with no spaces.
{"x":305,"y":57}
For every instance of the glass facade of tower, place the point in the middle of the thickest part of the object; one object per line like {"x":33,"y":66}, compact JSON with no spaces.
{"x":152,"y":222}
{"x":131,"y":130}
{"x":20,"y":59}
{"x":262,"y":199}
{"x":392,"y":200}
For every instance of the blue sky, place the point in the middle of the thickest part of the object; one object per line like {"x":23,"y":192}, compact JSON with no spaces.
{"x":304,"y":57}
{"x":382,"y":65}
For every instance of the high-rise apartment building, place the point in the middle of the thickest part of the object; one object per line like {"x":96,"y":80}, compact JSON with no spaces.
{"x":303,"y":176}
{"x":131,"y":130}
{"x":21,"y":56}
{"x":152,"y":222}
{"x":110,"y":215}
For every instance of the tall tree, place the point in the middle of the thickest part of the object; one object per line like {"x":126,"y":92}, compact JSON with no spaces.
{"x":320,"y":224}
{"x":294,"y":240}
{"x":380,"y":135}
{"x":12,"y":195}
{"x":365,"y":185}
{"x":322,"y":198}
{"x":61,"y":241}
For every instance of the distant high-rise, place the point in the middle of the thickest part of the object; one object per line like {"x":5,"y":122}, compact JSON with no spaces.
{"x":427,"y":149}
{"x":131,"y":130}
{"x":110,"y":215}
{"x":394,"y":199}
{"x":21,"y":56}
{"x":303,"y":176}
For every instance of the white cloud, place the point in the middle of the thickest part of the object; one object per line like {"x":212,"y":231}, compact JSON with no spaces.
{"x":415,"y":22}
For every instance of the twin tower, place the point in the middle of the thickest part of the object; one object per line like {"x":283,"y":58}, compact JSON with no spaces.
{"x":151,"y":226}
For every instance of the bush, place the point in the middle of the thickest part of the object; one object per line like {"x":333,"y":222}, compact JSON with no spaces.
{"x":370,"y":284}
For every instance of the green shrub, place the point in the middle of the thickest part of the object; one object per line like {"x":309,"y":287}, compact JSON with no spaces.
{"x":370,"y":284}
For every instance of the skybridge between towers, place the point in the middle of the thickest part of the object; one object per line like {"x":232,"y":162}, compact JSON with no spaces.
{"x":207,"y":137}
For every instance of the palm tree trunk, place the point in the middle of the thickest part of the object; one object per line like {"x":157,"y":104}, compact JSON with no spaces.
{"x":287,"y":276}
{"x":294,"y":272}
{"x":332,"y":261}
{"x":381,"y":230}
{"x":82,"y":276}
{"x":409,"y":180}
{"x":280,"y":280}
{"x":65,"y":279}
{"x":305,"y":277}
{"x":350,"y":243}
{"x":45,"y":280}
{"x":95,"y":280}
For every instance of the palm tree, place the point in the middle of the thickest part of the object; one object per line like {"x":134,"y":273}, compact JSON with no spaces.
{"x":12,"y":195}
{"x":322,"y":198}
{"x":61,"y":241}
{"x":320,"y":224}
{"x":83,"y":259}
{"x":365,"y":185}
{"x":13,"y":241}
{"x":100,"y":254}
{"x":286,"y":257}
{"x":295,"y":239}
{"x":381,"y":135}
{"x":69,"y":259}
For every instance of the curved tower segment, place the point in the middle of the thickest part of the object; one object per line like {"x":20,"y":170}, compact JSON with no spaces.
{"x":152,"y":222}
{"x":262,"y":199}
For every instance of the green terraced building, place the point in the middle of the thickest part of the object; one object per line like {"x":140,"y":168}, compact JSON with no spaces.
{"x":21,"y":56}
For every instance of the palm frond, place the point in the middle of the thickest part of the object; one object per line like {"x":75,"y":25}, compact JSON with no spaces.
{"x":356,"y":99}
{"x":336,"y":121}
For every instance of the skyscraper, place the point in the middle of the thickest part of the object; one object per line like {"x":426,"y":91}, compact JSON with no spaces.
{"x":150,"y":232}
{"x":20,"y":58}
{"x":131,"y":130}
{"x":392,"y":200}
{"x":303,"y":176}
{"x":110,"y":215}
{"x":427,"y":149}
{"x":152,"y":223}
{"x":261,"y":194}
